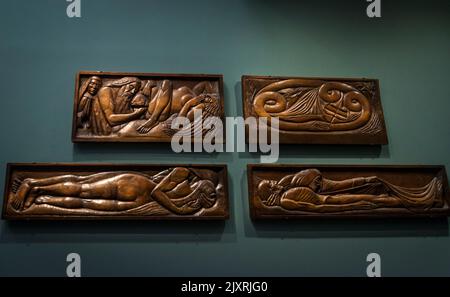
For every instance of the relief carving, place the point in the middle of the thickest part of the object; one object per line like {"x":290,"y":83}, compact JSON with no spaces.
{"x":308,"y":191}
{"x":128,"y":108}
{"x":317,"y":110}
{"x":178,"y":191}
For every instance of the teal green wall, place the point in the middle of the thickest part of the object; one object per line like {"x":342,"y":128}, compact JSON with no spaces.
{"x":408,"y":49}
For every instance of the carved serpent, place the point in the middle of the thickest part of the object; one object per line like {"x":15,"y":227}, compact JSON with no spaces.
{"x":268,"y":102}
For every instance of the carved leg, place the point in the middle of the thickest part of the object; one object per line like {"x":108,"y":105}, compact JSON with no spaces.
{"x":64,"y":202}
{"x":55,"y":180}
{"x":189,"y":106}
{"x":380,"y":200}
{"x":162,"y":100}
{"x":386,"y":201}
{"x":29,"y":183}
{"x":23,"y":191}
{"x":325,"y":208}
{"x":79,"y":203}
{"x":203,"y":87}
{"x":60,"y":189}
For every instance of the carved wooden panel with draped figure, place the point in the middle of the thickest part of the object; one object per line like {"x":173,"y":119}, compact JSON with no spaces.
{"x":140,"y":107}
{"x":302,"y":191}
{"x":101,"y":191}
{"x":317,"y":110}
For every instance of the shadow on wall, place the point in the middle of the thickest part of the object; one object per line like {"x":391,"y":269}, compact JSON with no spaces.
{"x":98,"y":151}
{"x":356,"y":228}
{"x":340,"y":228}
{"x":116,"y":231}
{"x":122,"y":231}
{"x":312,"y":151}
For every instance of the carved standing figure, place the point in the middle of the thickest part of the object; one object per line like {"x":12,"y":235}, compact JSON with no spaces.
{"x":88,"y":94}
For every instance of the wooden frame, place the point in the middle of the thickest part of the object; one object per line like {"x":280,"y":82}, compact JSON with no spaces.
{"x":413,"y":176}
{"x":130,"y":134}
{"x":21,"y":172}
{"x":335,"y":121}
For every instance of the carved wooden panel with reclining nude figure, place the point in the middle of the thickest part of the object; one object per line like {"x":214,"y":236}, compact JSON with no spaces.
{"x":106,"y":191}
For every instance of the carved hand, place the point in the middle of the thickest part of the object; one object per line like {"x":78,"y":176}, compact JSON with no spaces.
{"x":140,"y":110}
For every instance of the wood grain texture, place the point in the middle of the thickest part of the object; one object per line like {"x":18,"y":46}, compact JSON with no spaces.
{"x":140,"y":107}
{"x":317,"y":110}
{"x":66,"y":191}
{"x":343,"y":191}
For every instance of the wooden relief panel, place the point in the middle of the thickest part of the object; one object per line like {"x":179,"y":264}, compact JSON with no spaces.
{"x":317,"y":110}
{"x":75,"y":191}
{"x":302,"y":191}
{"x":133,"y":107}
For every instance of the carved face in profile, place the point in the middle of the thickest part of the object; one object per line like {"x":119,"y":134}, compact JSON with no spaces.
{"x":94,"y":85}
{"x":132,"y":88}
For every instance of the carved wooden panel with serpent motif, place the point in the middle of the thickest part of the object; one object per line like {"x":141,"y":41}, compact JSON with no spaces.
{"x":317,"y":110}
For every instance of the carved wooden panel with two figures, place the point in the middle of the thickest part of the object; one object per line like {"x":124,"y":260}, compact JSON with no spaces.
{"x":140,"y":107}
{"x":105,"y":191}
{"x":317,"y":110}
{"x":308,"y":191}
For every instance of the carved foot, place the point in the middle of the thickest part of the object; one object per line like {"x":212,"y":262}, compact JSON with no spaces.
{"x":19,"y":197}
{"x":16,"y":203}
{"x":31,"y":198}
{"x":41,"y":200}
{"x":16,"y":185}
{"x":146,"y":127}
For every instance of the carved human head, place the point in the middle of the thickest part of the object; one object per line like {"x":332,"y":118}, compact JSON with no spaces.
{"x":265,"y":189}
{"x":133,"y":87}
{"x":130,"y":85}
{"x":311,"y":178}
{"x":94,"y":85}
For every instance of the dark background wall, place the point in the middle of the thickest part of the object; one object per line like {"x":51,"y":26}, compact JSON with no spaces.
{"x":408,"y":49}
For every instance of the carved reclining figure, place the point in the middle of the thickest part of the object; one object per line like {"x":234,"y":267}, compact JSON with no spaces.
{"x":308,"y":190}
{"x":180,"y":190}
